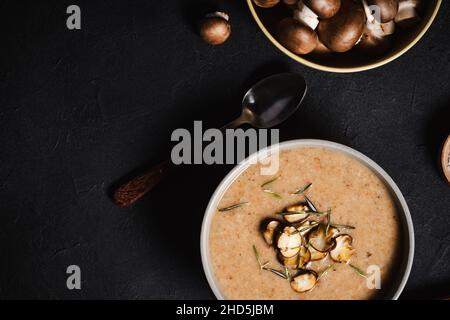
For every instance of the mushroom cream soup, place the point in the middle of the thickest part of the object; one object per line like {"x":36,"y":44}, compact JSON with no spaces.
{"x":260,"y":249}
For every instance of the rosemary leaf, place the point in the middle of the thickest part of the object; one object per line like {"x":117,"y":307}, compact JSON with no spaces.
{"x":310,"y":204}
{"x":324,"y":271}
{"x":258,"y":257}
{"x":270,"y":181}
{"x":278,"y":273}
{"x":234,"y":206}
{"x":290,"y":213}
{"x":342,"y":226}
{"x":358,"y":270}
{"x":307,"y":228}
{"x":328,"y":221}
{"x":303,"y":189}
{"x":273,"y":193}
{"x":287,"y":273}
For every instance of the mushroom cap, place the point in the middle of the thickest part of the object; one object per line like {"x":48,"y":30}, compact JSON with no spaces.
{"x":290,"y":2}
{"x":215,"y":29}
{"x":388,"y":8}
{"x":296,"y":36}
{"x":324,"y":8}
{"x":342,"y":31}
{"x":266,"y":3}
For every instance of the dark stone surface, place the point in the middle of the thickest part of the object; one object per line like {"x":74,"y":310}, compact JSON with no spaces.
{"x":79,"y":109}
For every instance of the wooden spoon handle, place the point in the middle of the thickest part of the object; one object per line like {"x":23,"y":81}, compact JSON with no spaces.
{"x":129,"y":192}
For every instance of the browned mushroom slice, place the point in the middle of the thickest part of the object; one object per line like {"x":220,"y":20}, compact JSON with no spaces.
{"x":298,"y":261}
{"x":289,"y":242}
{"x":306,"y":227}
{"x":316,"y":255}
{"x":343,"y":250}
{"x":269,"y":232}
{"x":296,"y":213}
{"x":332,"y":232}
{"x":319,"y":240}
{"x":304,"y":281}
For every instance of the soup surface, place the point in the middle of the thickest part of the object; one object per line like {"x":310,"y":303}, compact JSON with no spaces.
{"x":353,"y":192}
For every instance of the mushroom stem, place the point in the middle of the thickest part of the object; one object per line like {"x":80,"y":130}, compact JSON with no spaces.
{"x":407,"y":14}
{"x":305,"y":15}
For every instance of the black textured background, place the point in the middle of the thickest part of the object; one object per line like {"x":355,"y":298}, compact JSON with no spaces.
{"x":79,"y":109}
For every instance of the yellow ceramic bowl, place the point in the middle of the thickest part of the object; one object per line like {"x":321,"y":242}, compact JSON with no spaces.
{"x":351,"y":61}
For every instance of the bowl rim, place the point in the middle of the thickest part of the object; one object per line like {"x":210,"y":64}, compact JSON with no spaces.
{"x":294,"y":144}
{"x":321,"y":67}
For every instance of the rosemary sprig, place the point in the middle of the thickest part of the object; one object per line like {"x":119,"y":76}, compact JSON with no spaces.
{"x":302,"y":212}
{"x":328,"y":221}
{"x":358,"y":270}
{"x":270,"y":181}
{"x":234,"y":206}
{"x":258,"y":258}
{"x":278,"y":273}
{"x":303,"y":189}
{"x":342,"y":226}
{"x":290,"y":213}
{"x":324,"y":271}
{"x":287,"y":273}
{"x":273,"y":193}
{"x":310,"y":204}
{"x":307,"y":228}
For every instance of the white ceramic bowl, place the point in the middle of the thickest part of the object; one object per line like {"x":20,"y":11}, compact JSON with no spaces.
{"x":407,"y":226}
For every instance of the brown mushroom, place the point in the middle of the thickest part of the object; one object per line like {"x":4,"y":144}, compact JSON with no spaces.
{"x":324,"y":8}
{"x":342,"y":31}
{"x":382,"y":10}
{"x":215,"y":28}
{"x":296,"y":36}
{"x":290,"y":2}
{"x":321,"y":50}
{"x":266,"y":3}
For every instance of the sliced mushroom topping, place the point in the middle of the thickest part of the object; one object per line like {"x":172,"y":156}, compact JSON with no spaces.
{"x":332,"y":232}
{"x":296,"y":213}
{"x":289,"y":242}
{"x":305,"y":281}
{"x":298,"y":261}
{"x":304,"y":256}
{"x":269,"y":232}
{"x":343,"y":250}
{"x":316,"y":255}
{"x":306,"y":227}
{"x":320,"y":241}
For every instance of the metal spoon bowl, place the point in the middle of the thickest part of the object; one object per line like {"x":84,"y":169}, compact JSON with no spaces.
{"x":271,"y":101}
{"x":268,"y":103}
